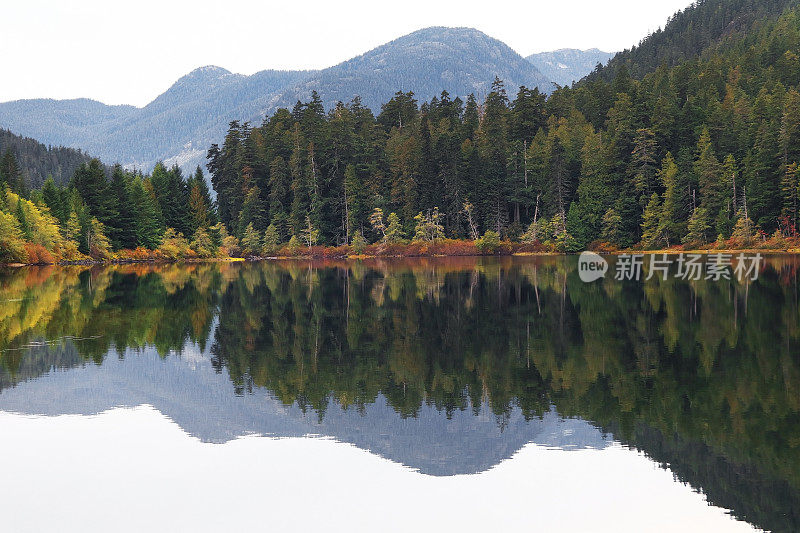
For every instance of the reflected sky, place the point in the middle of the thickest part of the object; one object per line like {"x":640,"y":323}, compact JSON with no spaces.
{"x":135,"y":469}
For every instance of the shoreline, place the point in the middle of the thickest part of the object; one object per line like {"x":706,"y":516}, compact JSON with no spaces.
{"x":322,"y":255}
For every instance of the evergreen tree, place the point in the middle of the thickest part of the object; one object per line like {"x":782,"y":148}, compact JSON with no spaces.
{"x":651,"y":236}
{"x":253,"y":212}
{"x":200,"y":204}
{"x":147,"y":217}
{"x":669,"y":227}
{"x":54,"y":198}
{"x":121,"y":227}
{"x":251,"y":240}
{"x":394,"y":230}
{"x":272,"y":240}
{"x":91,"y":184}
{"x":699,"y":226}
{"x":790,"y":189}
{"x":612,"y":227}
{"x":10,"y":172}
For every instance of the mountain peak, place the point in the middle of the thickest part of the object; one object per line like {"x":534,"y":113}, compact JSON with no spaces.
{"x":205,"y":74}
{"x":427,"y":61}
{"x":209,"y":70}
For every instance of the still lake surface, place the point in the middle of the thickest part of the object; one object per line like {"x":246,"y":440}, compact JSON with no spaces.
{"x":499,"y":394}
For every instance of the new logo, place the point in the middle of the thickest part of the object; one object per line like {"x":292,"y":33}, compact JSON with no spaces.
{"x":591,"y":267}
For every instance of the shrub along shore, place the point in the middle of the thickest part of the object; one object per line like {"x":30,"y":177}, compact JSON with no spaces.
{"x":180,"y":251}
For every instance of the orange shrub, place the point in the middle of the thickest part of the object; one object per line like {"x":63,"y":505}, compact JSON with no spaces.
{"x":139,"y":254}
{"x":38,"y":254}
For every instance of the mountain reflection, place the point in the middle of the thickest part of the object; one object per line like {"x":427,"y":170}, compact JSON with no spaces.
{"x":446,"y":365}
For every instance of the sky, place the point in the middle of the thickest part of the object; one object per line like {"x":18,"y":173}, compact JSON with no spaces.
{"x":130,"y":52}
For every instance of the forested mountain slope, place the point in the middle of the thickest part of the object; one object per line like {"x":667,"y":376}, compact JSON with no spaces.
{"x":34,"y":161}
{"x":690,"y":32}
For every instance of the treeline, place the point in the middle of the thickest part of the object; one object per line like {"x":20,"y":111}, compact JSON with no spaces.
{"x":128,"y":215}
{"x":703,"y":151}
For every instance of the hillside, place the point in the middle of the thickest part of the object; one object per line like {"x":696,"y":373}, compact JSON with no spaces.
{"x":37,"y":161}
{"x":568,"y":65}
{"x":690,"y":32}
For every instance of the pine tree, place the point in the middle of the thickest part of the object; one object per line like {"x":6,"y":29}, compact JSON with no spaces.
{"x":726,"y":217}
{"x":200,"y":203}
{"x":279,"y":201}
{"x":253,"y":212}
{"x":90,"y":182}
{"x":394,"y":230}
{"x":612,"y":227}
{"x":669,"y":227}
{"x":22,"y":219}
{"x":272,"y":241}
{"x":643,"y":163}
{"x":359,"y":243}
{"x":708,"y":171}
{"x":790,"y":190}
{"x":790,"y":128}
{"x":651,"y":236}
{"x":493,"y":145}
{"x":146,"y":222}
{"x":121,"y":227}
{"x":54,"y":199}
{"x":172,"y":193}
{"x":697,"y":232}
{"x":355,"y":204}
{"x":10,"y":172}
{"x":593,"y":192}
{"x":251,"y":240}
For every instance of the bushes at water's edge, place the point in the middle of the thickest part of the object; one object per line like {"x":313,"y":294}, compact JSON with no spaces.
{"x":177,"y":248}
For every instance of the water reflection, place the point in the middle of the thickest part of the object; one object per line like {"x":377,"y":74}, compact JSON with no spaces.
{"x":445,"y":365}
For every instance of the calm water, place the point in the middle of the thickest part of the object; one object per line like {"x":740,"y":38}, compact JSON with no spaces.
{"x":438,"y":394}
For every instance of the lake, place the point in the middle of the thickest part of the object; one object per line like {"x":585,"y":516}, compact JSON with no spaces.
{"x":499,"y":394}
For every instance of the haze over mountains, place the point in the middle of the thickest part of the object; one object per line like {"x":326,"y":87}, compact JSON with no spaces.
{"x":568,"y":65}
{"x":180,"y":124}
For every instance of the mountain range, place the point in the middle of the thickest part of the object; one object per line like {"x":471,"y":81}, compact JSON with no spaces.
{"x":180,"y":124}
{"x":568,"y":65}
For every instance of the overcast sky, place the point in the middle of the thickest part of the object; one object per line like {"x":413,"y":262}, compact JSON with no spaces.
{"x":129,"y":52}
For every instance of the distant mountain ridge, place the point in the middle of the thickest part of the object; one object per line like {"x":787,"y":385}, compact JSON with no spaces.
{"x":180,"y":124}
{"x":568,"y":65}
{"x":37,"y":161}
